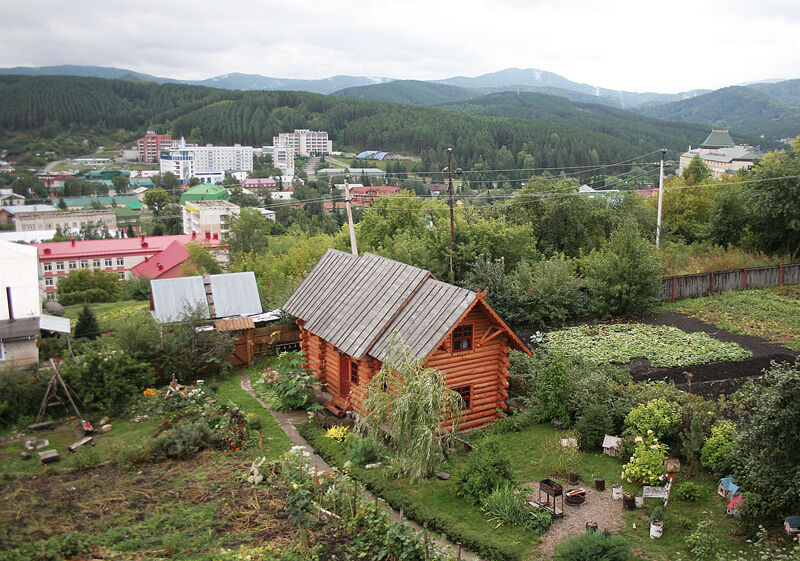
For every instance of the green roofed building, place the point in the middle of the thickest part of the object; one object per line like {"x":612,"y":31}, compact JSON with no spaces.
{"x":145,"y":182}
{"x":722,"y":155}
{"x":719,"y":138}
{"x":106,"y":174}
{"x":205,"y":192}
{"x":130,"y":201}
{"x":127,"y":217}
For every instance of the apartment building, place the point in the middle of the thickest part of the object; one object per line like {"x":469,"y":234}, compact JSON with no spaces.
{"x":118,"y":255}
{"x":149,"y":147}
{"x":722,"y":155}
{"x":304,"y":142}
{"x":211,"y":161}
{"x":208,"y":216}
{"x":35,"y":221}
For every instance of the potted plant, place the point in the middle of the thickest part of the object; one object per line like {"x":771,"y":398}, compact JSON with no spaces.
{"x":656,"y":523}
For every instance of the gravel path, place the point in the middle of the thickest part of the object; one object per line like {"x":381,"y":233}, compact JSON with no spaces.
{"x":287,"y":422}
{"x":599,"y":507}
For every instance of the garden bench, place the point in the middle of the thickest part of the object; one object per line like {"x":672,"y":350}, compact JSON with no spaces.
{"x":657,"y":492}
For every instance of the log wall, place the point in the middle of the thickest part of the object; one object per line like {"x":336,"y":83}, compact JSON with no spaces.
{"x":484,"y":368}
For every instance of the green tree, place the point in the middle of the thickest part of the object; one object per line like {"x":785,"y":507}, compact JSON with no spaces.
{"x":86,"y":285}
{"x":410,"y":408}
{"x":767,"y":446}
{"x":625,"y":276}
{"x":248,"y":232}
{"x":773,"y":198}
{"x":200,"y":261}
{"x":120,"y":183}
{"x":61,"y":204}
{"x":87,"y":326}
{"x":156,"y":199}
{"x":696,"y":172}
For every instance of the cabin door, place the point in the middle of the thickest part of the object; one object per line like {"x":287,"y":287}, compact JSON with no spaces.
{"x":344,"y":375}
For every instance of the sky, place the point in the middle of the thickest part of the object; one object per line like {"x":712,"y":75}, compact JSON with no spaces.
{"x":634,"y":45}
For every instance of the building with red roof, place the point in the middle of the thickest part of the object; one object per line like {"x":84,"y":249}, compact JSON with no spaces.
{"x":167,"y":264}
{"x":366,"y":194}
{"x":116,"y":255}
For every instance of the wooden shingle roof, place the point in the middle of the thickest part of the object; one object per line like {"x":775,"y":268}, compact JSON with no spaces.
{"x":356,"y":303}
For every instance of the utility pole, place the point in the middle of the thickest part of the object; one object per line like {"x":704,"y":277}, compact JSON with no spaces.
{"x":452,"y":216}
{"x":347,"y":199}
{"x":660,"y":198}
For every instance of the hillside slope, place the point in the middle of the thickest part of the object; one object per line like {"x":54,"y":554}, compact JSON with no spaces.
{"x":410,"y":92}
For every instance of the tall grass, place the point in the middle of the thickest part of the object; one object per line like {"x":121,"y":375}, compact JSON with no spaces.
{"x":681,"y":259}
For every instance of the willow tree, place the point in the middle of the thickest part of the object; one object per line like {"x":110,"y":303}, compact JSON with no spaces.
{"x":410,"y":409}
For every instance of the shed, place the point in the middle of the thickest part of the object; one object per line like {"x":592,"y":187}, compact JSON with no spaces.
{"x":792,"y":525}
{"x":611,"y":445}
{"x":727,"y":488}
{"x":350,"y":308}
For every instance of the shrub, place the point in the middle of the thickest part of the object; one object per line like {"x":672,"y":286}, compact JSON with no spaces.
{"x":107,"y":381}
{"x":488,"y":467}
{"x":86,"y":285}
{"x":87,"y":325}
{"x":339,"y":433}
{"x":594,"y":546}
{"x":507,"y":504}
{"x":689,"y":491}
{"x":551,"y":389}
{"x":704,"y":542}
{"x":20,"y":394}
{"x":718,"y":447}
{"x":557,"y":460}
{"x":596,"y":421}
{"x":647,"y":464}
{"x":550,"y":290}
{"x":625,"y":277}
{"x":658,"y":417}
{"x":85,"y":457}
{"x":182,"y":441}
{"x":364,"y":450}
{"x":292,"y":384}
{"x":136,"y":288}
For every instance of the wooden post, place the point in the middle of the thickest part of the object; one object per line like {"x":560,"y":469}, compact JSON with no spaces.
{"x":401,"y":515}
{"x":744,"y":287}
{"x":458,"y":557}
{"x":711,"y":286}
{"x":673,"y":288}
{"x":780,"y":274}
{"x":425,"y":538}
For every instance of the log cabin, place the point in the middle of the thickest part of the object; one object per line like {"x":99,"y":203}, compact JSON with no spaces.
{"x":349,"y":308}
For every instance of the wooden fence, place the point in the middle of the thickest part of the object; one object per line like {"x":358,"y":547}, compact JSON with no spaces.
{"x":260,"y":341}
{"x":704,"y":284}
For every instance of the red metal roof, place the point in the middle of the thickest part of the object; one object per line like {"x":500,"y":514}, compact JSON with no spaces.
{"x":162,"y":262}
{"x":148,"y":245}
{"x":377,"y":189}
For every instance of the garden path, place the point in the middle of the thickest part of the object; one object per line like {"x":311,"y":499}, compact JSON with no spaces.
{"x":599,"y":507}
{"x":287,"y":422}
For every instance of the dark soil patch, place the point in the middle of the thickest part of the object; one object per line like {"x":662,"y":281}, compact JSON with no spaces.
{"x":712,"y":379}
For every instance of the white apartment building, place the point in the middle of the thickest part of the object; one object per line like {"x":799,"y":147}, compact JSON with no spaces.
{"x":304,"y":142}
{"x":207,"y":216}
{"x":187,"y":162}
{"x":69,"y":221}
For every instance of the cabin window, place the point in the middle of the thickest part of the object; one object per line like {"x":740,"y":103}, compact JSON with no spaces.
{"x":466,"y":394}
{"x":354,"y":372}
{"x":462,"y":338}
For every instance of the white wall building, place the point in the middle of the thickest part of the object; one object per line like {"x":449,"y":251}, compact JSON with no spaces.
{"x":207,"y":216}
{"x":20,"y":305}
{"x":187,"y":162}
{"x":304,"y":142}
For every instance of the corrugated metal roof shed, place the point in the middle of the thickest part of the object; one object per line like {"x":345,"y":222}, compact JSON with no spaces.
{"x":54,"y":323}
{"x":235,"y":294}
{"x":172,"y":297}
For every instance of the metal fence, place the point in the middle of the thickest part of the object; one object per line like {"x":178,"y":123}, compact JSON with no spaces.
{"x":704,"y":284}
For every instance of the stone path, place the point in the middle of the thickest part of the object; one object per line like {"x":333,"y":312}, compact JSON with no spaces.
{"x":287,"y":422}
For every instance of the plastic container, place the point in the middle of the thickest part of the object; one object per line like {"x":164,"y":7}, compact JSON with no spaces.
{"x":616,"y":491}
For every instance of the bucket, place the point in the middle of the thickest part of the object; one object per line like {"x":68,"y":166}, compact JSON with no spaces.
{"x":616,"y":491}
{"x":628,"y":503}
{"x":656,"y":530}
{"x":639,"y":500}
{"x":600,"y":483}
{"x":591,"y":526}
{"x":573,"y":478}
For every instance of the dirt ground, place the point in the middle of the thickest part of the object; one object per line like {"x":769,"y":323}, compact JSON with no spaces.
{"x":599,"y":507}
{"x":712,"y":379}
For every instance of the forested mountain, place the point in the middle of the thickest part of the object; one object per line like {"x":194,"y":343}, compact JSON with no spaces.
{"x":625,"y":125}
{"x":410,"y":92}
{"x":86,"y":72}
{"x":570,"y":137}
{"x":787,"y":91}
{"x":745,"y":109}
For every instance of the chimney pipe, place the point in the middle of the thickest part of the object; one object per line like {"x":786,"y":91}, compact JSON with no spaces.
{"x":73,"y":241}
{"x":142,"y":237}
{"x":208,"y":234}
{"x":10,"y":305}
{"x":194,"y":234}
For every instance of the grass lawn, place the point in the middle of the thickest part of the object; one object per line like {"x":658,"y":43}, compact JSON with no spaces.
{"x":107,"y":444}
{"x":275,"y":440}
{"x":532,"y":460}
{"x":108,"y":314}
{"x":771,"y":313}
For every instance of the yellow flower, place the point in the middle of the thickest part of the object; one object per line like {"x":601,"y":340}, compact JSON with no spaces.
{"x":294,"y":486}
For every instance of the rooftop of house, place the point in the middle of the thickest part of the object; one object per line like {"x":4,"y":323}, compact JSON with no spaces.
{"x":130,"y":201}
{"x":364,"y":304}
{"x":718,"y":139}
{"x":162,"y":262}
{"x":378,"y":189}
{"x":21,"y":209}
{"x":50,"y":251}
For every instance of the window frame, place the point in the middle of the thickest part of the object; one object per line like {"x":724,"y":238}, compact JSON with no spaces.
{"x":47,"y":267}
{"x":354,"y":373}
{"x":73,"y":265}
{"x":60,"y":266}
{"x":458,"y":337}
{"x":120,"y":261}
{"x":462,"y":391}
{"x":108,"y":262}
{"x":95,"y":263}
